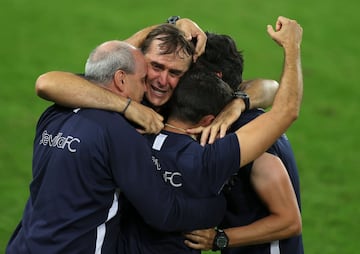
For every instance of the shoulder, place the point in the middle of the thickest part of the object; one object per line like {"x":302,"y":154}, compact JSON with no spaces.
{"x":105,"y":123}
{"x":245,"y":118}
{"x":224,"y":148}
{"x":171,"y":141}
{"x":111,"y":121}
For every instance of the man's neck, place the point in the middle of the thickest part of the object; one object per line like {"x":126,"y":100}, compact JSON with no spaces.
{"x":178,"y":127}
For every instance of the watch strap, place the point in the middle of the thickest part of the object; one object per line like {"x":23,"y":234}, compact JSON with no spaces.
{"x":244,"y":96}
{"x":172,"y":20}
{"x":221,"y":240}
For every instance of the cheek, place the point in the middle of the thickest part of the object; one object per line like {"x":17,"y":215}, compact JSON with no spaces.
{"x":173,"y":82}
{"x":151,"y":74}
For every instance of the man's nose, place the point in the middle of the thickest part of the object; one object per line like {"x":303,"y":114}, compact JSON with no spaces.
{"x":163,"y":77}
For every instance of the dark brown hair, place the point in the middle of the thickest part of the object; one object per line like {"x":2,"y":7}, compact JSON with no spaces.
{"x":172,"y":41}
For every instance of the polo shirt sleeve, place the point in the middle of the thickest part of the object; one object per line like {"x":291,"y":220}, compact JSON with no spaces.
{"x":221,"y":160}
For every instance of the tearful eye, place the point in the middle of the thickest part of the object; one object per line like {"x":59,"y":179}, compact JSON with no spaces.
{"x":157,"y":69}
{"x":175,"y":75}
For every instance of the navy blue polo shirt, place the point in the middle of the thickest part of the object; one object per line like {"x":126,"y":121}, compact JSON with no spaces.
{"x":83,"y":160}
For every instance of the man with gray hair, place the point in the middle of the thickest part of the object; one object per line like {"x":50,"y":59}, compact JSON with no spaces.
{"x":85,"y":158}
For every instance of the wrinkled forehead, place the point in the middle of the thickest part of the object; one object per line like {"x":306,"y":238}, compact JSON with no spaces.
{"x":158,"y":47}
{"x":175,"y":59}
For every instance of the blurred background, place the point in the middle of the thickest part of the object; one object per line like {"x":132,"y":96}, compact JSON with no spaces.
{"x":38,"y":36}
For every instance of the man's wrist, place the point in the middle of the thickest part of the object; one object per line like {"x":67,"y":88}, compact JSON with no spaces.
{"x":126,"y":106}
{"x":221,"y":240}
{"x":241,"y":95}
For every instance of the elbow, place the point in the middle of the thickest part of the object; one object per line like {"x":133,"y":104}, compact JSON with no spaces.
{"x":289,"y":114}
{"x":294,"y":115}
{"x":42,"y":86}
{"x":295,"y":227}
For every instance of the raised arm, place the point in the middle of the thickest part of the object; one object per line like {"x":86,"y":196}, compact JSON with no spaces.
{"x":73,"y":91}
{"x":138,"y":38}
{"x":259,"y":134}
{"x":270,"y":179}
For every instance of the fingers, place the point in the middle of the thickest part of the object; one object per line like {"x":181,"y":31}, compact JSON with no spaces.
{"x":141,"y":131}
{"x":201,"y":240}
{"x":210,"y":133}
{"x":223,"y":130}
{"x":200,"y":42}
{"x":155,"y":127}
{"x":193,"y":245}
{"x":204,"y":136}
{"x":196,"y":130}
{"x":205,"y":133}
{"x":188,"y":36}
{"x":148,"y":120}
{"x":200,"y":45}
{"x":214,"y":134}
{"x":193,"y":31}
{"x":279,"y":23}
{"x":270,"y":30}
{"x":287,"y":33}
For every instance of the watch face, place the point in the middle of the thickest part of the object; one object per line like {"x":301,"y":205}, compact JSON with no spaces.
{"x":221,"y":241}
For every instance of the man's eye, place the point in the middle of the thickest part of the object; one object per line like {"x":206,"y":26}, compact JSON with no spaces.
{"x":175,"y":74}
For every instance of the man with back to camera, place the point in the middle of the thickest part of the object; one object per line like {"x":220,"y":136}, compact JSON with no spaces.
{"x":190,"y":168}
{"x":81,"y":162}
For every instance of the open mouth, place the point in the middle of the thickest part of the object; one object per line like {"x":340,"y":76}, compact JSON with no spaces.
{"x":157,"y":91}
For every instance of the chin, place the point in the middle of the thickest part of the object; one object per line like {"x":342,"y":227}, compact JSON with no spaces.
{"x":158,"y":102}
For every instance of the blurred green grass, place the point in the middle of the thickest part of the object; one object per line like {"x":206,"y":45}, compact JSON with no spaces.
{"x":38,"y":36}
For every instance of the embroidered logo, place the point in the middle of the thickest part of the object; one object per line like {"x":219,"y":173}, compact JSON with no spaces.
{"x":59,"y":141}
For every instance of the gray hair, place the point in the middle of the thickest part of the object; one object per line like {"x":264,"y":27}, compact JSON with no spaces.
{"x":106,"y":59}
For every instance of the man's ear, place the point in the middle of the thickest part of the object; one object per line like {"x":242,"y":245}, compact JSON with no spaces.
{"x":119,"y":79}
{"x":206,"y":120}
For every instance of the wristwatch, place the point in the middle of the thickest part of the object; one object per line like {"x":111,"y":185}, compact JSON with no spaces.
{"x":172,"y":19}
{"x":221,"y":240}
{"x":244,"y":96}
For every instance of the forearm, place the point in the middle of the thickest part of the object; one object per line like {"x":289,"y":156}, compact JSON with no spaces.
{"x":283,"y":113}
{"x":260,"y":91}
{"x":138,"y":38}
{"x":73,"y":91}
{"x":273,"y":187}
{"x":268,"y":229}
{"x":291,"y":86}
{"x":287,"y":101}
